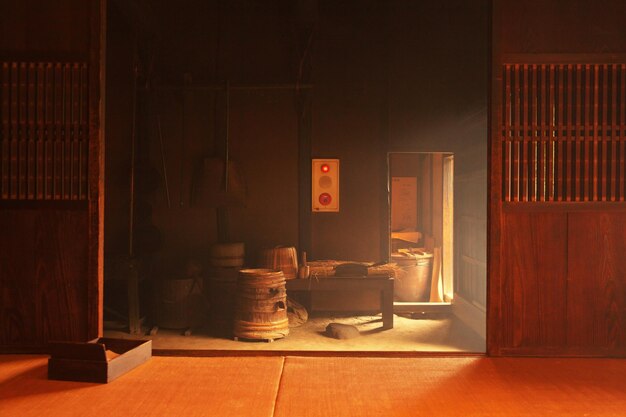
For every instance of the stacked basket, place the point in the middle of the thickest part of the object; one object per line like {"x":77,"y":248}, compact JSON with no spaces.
{"x":261,"y":305}
{"x":283,"y":258}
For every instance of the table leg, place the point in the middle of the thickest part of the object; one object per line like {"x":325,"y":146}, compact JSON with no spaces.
{"x":386,"y":305}
{"x":134,"y":318}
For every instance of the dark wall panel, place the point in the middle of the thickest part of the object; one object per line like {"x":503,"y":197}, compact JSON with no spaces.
{"x":208,"y":43}
{"x":264,"y":144}
{"x":348,"y":130}
{"x":561,"y":26}
{"x":43,"y":274}
{"x":44,"y":29}
{"x":596,"y":296}
{"x":61,"y":275}
{"x":119,"y":111}
{"x":349,"y":76}
{"x":534,"y":279}
{"x":17,"y":278}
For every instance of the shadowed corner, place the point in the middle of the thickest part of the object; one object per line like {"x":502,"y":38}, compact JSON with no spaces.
{"x":24,"y":376}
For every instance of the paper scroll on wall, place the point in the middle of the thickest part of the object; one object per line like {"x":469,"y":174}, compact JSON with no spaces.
{"x":403,"y":204}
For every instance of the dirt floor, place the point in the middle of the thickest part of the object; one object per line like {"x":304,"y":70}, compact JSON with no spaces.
{"x":425,"y":334}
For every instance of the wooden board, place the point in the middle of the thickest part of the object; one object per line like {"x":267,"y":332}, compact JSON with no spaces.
{"x":596,"y":292}
{"x":18,"y":314}
{"x":61,"y":275}
{"x":534,"y":280}
{"x":44,"y":280}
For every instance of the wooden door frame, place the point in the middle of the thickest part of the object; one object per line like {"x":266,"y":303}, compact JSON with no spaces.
{"x":97,"y":77}
{"x":494,"y":194}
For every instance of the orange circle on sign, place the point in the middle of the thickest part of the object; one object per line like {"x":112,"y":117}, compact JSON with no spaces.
{"x":325,"y":181}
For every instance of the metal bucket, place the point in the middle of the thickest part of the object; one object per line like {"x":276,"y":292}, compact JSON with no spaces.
{"x":413,"y":281}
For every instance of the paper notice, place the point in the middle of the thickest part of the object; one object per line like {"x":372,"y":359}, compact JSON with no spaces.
{"x":403,"y":203}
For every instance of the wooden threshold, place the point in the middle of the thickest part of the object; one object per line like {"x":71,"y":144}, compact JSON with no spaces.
{"x":313,"y":353}
{"x":421,"y":307}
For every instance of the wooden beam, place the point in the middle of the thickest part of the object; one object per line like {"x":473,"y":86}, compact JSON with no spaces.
{"x":494,"y":175}
{"x":95,"y":276}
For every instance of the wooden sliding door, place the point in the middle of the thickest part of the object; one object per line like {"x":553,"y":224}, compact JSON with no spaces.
{"x":557,"y":205}
{"x":51,"y":165}
{"x":558,"y":225}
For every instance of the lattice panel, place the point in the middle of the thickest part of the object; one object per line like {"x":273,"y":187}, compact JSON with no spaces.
{"x":44,"y":132}
{"x":564,"y":132}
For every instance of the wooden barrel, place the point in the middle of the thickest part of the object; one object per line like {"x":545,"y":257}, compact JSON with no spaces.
{"x":412,"y":283}
{"x":180,"y":303}
{"x":220,"y":289}
{"x":261,"y":305}
{"x":284,"y":258}
{"x":226,"y":254}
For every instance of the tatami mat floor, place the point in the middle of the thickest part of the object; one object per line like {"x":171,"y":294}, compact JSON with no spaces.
{"x":312,"y":387}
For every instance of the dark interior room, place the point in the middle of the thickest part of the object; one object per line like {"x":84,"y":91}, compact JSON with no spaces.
{"x":373,"y":207}
{"x":225,"y":143}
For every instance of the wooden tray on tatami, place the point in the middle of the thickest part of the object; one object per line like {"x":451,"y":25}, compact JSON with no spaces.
{"x":101,"y":360}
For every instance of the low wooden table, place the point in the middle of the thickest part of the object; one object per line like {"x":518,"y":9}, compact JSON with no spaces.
{"x":379,"y":283}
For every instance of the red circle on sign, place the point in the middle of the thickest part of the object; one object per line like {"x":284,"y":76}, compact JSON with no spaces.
{"x":325,"y":199}
{"x":325,"y":168}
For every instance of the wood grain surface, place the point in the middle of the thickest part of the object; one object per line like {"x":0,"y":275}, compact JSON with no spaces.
{"x":51,"y":251}
{"x":17,"y":279}
{"x":43,"y":275}
{"x":596,"y":297}
{"x":557,"y":274}
{"x":95,"y":227}
{"x":563,"y":284}
{"x":61,"y":275}
{"x":534,"y":277}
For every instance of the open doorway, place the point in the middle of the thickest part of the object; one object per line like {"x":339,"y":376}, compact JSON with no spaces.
{"x":438,"y":249}
{"x":421,"y":229}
